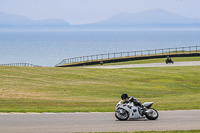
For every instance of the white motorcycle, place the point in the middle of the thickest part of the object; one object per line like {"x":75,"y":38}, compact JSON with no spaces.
{"x":131,"y":110}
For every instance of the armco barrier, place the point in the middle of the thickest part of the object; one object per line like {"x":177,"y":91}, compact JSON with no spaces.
{"x":131,"y":55}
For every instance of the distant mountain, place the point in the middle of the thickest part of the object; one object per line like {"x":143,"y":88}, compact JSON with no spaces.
{"x":18,"y":21}
{"x":149,"y":17}
{"x":155,"y":18}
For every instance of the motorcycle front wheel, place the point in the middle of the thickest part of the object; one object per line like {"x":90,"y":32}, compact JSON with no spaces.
{"x":152,"y":114}
{"x":121,"y":114}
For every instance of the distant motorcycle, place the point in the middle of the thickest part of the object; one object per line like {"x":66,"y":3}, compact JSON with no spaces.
{"x":131,"y":111}
{"x":169,"y":60}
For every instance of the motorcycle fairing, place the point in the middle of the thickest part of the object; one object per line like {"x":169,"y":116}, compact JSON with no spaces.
{"x":133,"y":111}
{"x":147,"y":104}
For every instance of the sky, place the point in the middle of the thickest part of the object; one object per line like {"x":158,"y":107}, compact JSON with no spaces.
{"x":89,"y":11}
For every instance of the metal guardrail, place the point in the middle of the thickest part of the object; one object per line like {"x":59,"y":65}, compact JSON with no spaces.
{"x":20,"y":64}
{"x":100,"y":57}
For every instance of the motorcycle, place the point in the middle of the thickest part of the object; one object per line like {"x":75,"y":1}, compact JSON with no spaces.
{"x":131,"y":110}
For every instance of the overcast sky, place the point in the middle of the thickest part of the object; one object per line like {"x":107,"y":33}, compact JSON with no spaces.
{"x":88,"y":11}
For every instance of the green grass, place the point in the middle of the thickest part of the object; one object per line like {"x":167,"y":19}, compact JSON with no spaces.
{"x":175,"y":131}
{"x":156,"y":60}
{"x":40,"y":89}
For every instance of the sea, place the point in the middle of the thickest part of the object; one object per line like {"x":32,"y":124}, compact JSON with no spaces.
{"x":48,"y":48}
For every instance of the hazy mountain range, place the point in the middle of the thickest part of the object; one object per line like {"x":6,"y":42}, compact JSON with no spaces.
{"x":147,"y":19}
{"x":155,"y":16}
{"x":18,"y":21}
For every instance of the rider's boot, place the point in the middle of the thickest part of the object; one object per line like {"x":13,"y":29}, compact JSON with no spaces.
{"x":144,"y":112}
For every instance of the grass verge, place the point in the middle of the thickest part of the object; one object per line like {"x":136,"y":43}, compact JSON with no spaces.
{"x":39,"y":89}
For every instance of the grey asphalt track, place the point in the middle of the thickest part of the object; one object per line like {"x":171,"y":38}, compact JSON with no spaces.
{"x":186,"y":63}
{"x":95,"y":122}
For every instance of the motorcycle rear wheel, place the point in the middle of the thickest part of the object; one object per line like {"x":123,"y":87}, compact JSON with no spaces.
{"x":153,"y":115}
{"x":122,"y":116}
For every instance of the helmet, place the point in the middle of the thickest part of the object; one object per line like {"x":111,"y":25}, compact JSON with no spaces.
{"x":124,"y":96}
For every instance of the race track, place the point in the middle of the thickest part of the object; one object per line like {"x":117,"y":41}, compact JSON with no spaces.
{"x":186,"y":63}
{"x":95,"y":122}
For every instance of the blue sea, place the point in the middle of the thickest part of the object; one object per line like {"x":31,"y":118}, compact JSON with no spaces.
{"x":51,"y":47}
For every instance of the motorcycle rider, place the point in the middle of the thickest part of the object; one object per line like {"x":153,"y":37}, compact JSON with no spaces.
{"x":126,"y":99}
{"x":130,"y":107}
